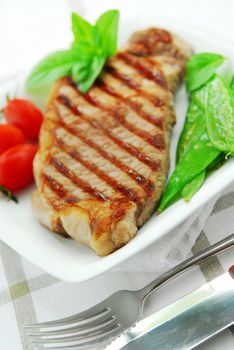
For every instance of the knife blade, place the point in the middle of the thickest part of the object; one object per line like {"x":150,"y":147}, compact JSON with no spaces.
{"x":187,"y":322}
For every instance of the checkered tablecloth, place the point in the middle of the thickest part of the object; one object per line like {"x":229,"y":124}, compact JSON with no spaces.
{"x":28,"y":294}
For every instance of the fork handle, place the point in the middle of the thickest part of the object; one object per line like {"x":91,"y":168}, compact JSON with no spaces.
{"x":216,"y":248}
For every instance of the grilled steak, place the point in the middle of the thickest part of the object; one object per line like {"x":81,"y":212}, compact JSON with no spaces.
{"x":103,"y":156}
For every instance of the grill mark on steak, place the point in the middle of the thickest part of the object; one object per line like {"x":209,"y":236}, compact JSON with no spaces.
{"x":143,"y":69}
{"x":156,"y":141}
{"x":133,"y":105}
{"x":152,"y":61}
{"x":132,"y":84}
{"x":144,"y":183}
{"x":84,"y":185}
{"x":55,"y":186}
{"x":129,"y":193}
{"x":154,"y":165}
{"x":59,"y":189}
{"x":136,"y":107}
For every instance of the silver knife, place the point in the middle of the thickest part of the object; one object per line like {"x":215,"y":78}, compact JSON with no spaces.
{"x":187,"y":322}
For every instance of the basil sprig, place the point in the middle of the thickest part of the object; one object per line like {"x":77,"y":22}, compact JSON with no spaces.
{"x":84,"y":61}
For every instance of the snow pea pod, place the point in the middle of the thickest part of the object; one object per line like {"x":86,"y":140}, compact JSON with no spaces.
{"x":191,"y":165}
{"x":194,"y":122}
{"x":193,"y":129}
{"x":193,"y":186}
{"x":194,"y":113}
{"x":217,"y":163}
{"x":220,"y":115}
{"x":232,"y":86}
{"x":197,"y":152}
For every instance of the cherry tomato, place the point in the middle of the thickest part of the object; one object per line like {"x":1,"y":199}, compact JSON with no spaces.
{"x":10,"y":136}
{"x":16,"y":167}
{"x":25,"y":115}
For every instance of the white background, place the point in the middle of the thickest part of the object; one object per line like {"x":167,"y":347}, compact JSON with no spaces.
{"x":29,"y":29}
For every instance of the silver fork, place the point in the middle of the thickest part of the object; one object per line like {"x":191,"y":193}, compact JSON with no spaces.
{"x":112,"y":316}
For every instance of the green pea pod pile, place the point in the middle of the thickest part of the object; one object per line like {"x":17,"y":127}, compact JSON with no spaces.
{"x":208,"y":133}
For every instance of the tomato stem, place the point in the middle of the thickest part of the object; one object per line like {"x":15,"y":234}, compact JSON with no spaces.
{"x":10,"y":195}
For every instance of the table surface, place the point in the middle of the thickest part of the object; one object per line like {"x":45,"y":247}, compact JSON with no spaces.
{"x":28,"y":294}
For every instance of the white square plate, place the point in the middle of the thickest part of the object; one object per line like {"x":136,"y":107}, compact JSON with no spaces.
{"x":71,"y":261}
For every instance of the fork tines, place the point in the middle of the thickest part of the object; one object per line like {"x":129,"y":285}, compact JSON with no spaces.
{"x":73,"y":332}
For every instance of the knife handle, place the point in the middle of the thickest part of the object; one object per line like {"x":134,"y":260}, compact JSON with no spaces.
{"x":216,"y":248}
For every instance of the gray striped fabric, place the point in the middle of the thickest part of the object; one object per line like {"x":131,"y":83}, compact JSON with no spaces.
{"x":212,"y":267}
{"x":31,"y":295}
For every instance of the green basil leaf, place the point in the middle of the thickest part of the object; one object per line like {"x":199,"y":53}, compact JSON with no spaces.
{"x":200,"y":68}
{"x":85,"y":60}
{"x":107,"y":25}
{"x":52,"y":67}
{"x":97,"y":41}
{"x":220,"y":115}
{"x":83,"y":31}
{"x":90,"y":71}
{"x":80,"y":71}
